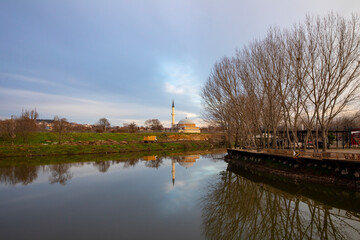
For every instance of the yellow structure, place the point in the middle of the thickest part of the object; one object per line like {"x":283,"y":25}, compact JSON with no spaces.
{"x":150,"y":158}
{"x":185,"y":125}
{"x":148,"y":139}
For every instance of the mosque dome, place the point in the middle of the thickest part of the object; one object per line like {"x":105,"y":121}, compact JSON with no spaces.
{"x":186,"y":164}
{"x":188,"y":161}
{"x":186,"y":122}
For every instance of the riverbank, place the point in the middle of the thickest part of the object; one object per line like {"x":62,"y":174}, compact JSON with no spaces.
{"x":53,"y":150}
{"x":132,"y":157}
{"x":46,"y":144}
{"x":339,"y":173}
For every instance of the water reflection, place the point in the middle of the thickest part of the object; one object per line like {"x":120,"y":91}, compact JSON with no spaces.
{"x":238,"y":208}
{"x":153,"y":161}
{"x":21,"y":174}
{"x":60,"y":173}
{"x":129,"y":163}
{"x":140,"y":199}
{"x":187,"y":161}
{"x":102,"y":166}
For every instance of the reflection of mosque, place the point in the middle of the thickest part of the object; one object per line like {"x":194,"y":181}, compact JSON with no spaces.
{"x":184,"y":161}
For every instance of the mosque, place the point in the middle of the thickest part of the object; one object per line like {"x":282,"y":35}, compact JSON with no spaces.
{"x":185,"y":125}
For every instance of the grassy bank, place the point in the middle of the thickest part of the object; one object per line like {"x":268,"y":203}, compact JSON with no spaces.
{"x":131,"y":157}
{"x":45,"y":144}
{"x":44,"y":150}
{"x":51,"y":137}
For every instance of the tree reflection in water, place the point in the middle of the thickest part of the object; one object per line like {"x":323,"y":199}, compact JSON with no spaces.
{"x":154,"y":163}
{"x":60,"y":173}
{"x":238,"y":208}
{"x":130,"y":162}
{"x":102,"y":166}
{"x":21,"y":174}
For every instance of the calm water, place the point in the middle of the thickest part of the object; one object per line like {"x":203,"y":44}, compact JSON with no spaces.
{"x":181,"y":197}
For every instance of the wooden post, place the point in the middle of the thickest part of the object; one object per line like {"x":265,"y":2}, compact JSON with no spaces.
{"x":349,"y":137}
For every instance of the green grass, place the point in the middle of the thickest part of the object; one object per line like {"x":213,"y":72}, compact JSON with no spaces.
{"x":45,"y":150}
{"x":50,"y":137}
{"x":46,"y":144}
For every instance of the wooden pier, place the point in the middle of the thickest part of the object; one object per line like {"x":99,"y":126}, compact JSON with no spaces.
{"x":340,"y":168}
{"x":333,"y":156}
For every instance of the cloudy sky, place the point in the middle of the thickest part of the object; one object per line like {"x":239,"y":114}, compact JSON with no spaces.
{"x":127,"y":60}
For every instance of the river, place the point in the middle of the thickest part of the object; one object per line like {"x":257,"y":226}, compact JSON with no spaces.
{"x":186,"y":196}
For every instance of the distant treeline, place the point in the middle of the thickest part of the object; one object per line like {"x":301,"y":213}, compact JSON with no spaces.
{"x":28,"y":122}
{"x":21,"y":127}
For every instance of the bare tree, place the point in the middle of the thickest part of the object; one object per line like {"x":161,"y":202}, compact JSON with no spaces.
{"x":131,"y":127}
{"x":154,"y":124}
{"x":60,"y":125}
{"x":215,"y":104}
{"x":26,"y":123}
{"x":305,"y":76}
{"x":8,"y":128}
{"x":346,"y":121}
{"x":334,"y":69}
{"x":103,"y":123}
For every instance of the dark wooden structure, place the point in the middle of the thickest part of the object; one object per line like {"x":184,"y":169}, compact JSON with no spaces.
{"x":346,"y":138}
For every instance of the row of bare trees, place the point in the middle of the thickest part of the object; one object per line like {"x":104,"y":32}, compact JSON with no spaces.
{"x":26,"y":124}
{"x":20,"y":126}
{"x":302,"y":77}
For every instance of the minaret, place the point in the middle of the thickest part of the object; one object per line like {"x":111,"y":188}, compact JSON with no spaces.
{"x":173,"y":171}
{"x":173,"y":115}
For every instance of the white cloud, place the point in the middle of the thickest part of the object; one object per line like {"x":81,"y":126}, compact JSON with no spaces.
{"x":173,"y":89}
{"x":187,"y":114}
{"x":180,"y":79}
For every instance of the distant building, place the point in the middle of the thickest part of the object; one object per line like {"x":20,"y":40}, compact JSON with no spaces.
{"x":185,"y":125}
{"x":45,"y":124}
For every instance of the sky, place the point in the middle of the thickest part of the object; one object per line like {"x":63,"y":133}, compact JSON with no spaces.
{"x":127,"y":60}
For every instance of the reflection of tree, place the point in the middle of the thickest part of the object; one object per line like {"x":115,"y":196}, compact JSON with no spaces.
{"x":131,"y":162}
{"x":102,"y":166}
{"x":237,"y":208}
{"x":60,"y":173}
{"x":154,"y":163}
{"x":217,"y":156}
{"x":21,"y":174}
